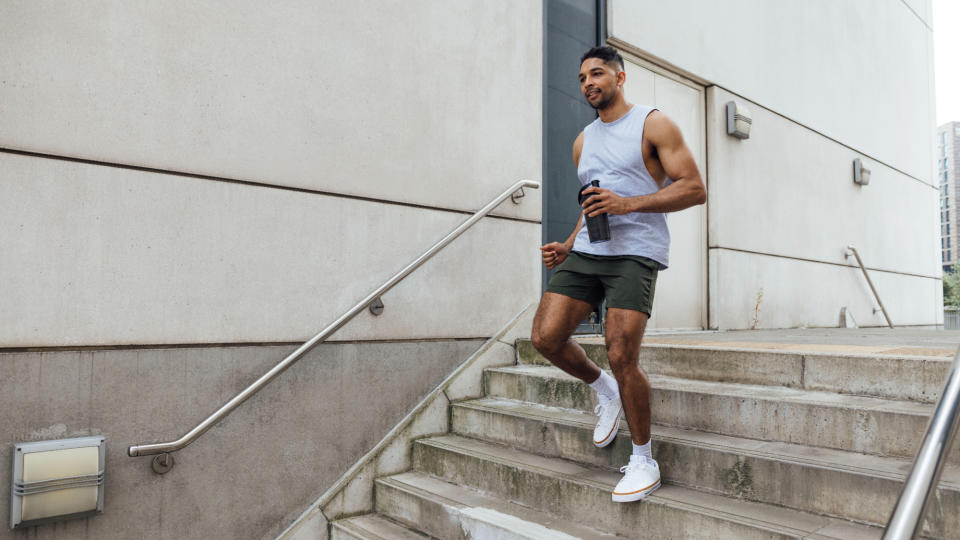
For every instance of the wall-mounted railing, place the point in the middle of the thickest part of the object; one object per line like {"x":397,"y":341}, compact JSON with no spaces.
{"x":164,"y":461}
{"x":853,"y":251}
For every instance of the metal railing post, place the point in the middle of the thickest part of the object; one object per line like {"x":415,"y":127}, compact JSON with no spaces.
{"x":906,"y":519}
{"x":853,"y":250}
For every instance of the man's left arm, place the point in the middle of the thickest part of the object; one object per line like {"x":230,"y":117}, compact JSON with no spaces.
{"x":686,"y":190}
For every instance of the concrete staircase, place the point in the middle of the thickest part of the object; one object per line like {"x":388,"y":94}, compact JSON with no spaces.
{"x":751,"y":444}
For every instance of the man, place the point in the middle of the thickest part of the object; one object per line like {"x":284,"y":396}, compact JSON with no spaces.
{"x":645,"y":170}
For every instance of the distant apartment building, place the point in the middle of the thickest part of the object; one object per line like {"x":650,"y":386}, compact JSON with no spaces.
{"x":948,"y":156}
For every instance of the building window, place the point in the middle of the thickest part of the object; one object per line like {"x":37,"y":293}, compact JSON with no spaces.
{"x":948,"y":234}
{"x":948,"y":242}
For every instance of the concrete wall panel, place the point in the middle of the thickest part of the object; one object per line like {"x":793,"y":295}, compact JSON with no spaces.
{"x":397,"y":100}
{"x":856,"y":71}
{"x":97,"y":255}
{"x":794,"y":293}
{"x":275,"y":454}
{"x":799,"y":185}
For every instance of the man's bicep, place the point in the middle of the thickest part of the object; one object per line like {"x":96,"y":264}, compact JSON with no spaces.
{"x":675,"y":156}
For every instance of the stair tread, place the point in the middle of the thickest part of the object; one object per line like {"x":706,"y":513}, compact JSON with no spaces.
{"x":375,"y":527}
{"x":881,"y":466}
{"x":748,"y":391}
{"x":752,"y":513}
{"x":479,"y":506}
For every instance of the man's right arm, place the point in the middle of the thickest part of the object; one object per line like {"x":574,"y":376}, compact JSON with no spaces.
{"x":555,"y":253}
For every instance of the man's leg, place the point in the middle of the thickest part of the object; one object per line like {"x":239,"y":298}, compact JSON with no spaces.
{"x":556,"y":319}
{"x":625,"y":329}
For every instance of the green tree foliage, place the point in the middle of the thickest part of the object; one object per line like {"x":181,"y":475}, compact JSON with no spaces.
{"x":951,"y":286}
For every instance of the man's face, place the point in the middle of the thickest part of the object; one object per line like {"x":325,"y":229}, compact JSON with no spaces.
{"x":598,"y":82}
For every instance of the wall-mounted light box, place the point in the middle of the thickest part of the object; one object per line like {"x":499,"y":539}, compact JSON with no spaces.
{"x":739,"y":120}
{"x":861,"y":174}
{"x":56,"y":480}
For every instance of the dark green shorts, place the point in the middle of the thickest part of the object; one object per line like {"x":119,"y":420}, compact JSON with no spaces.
{"x":627,"y":282}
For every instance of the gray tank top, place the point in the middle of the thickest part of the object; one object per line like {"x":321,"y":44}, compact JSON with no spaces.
{"x":613,"y":154}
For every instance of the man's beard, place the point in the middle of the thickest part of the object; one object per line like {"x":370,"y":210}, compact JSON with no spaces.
{"x":602,"y":104}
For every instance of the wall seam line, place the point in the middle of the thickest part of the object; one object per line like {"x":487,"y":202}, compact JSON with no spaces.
{"x":817,"y":261}
{"x":251,"y":183}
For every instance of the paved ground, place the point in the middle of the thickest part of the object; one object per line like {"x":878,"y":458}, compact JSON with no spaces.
{"x":897,"y":341}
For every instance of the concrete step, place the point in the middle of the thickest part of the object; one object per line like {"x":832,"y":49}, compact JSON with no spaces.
{"x":371,"y":527}
{"x":582,"y":494}
{"x":822,"y":419}
{"x":824,"y":481}
{"x":889,"y":376}
{"x":448,"y":511}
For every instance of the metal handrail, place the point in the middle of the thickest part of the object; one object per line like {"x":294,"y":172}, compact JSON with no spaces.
{"x":907,"y":516}
{"x":853,"y":250}
{"x":219,"y":414}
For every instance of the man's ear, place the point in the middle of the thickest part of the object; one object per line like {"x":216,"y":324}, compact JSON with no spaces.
{"x":621,"y":78}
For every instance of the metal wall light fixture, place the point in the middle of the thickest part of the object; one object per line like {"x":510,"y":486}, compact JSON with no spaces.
{"x":738,"y":120}
{"x":56,"y":480}
{"x":861,"y":174}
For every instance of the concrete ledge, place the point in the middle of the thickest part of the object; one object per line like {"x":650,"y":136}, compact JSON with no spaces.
{"x":353,"y":493}
{"x":889,"y":376}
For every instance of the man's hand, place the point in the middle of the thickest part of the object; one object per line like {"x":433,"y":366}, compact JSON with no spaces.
{"x":604,"y":201}
{"x":554,"y":253}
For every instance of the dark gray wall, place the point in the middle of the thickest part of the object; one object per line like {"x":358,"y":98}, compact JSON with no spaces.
{"x":249,"y":474}
{"x":571,"y":27}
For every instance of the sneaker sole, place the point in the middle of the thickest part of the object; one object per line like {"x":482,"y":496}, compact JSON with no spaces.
{"x":613,"y":432}
{"x":637,"y":495}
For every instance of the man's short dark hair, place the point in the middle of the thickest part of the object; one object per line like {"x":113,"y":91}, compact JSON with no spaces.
{"x":609,"y":55}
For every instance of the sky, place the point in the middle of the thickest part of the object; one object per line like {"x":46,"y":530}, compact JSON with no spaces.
{"x":946,"y":59}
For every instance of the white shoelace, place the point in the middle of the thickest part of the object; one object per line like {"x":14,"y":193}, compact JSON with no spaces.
{"x":602,"y":407}
{"x":635,"y":465}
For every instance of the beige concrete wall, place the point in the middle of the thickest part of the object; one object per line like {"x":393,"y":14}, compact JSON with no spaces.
{"x":251,"y":473}
{"x":783,"y":208}
{"x":434,"y":103}
{"x":857,"y":71}
{"x":427,"y":103}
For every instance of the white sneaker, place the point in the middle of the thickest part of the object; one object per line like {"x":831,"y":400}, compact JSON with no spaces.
{"x":641,"y":478}
{"x":608,"y":422}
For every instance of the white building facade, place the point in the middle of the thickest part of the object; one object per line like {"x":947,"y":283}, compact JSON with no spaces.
{"x":947,"y":153}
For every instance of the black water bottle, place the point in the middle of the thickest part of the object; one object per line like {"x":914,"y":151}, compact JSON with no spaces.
{"x":598,"y":227}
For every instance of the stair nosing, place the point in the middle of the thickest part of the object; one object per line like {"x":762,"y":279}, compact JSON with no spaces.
{"x":747,"y":391}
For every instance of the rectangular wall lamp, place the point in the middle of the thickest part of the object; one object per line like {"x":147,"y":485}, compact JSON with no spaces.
{"x":56,"y":480}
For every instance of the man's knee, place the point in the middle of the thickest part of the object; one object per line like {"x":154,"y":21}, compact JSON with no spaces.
{"x":623,"y":359}
{"x":545,"y":344}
